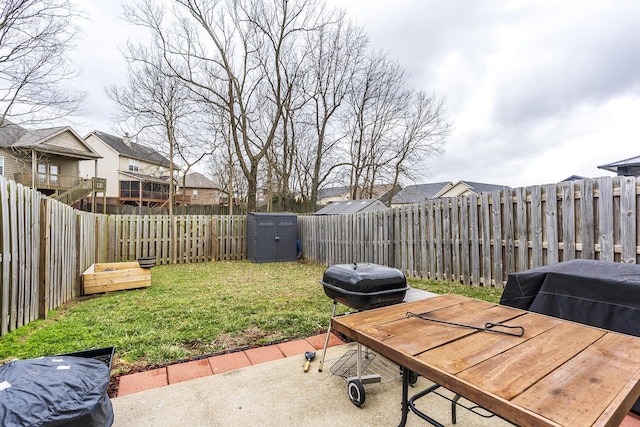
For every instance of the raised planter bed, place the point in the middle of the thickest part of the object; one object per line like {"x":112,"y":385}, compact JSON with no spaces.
{"x":114,"y":276}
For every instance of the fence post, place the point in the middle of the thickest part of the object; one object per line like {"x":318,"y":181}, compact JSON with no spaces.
{"x":45,"y":257}
{"x":79,"y":257}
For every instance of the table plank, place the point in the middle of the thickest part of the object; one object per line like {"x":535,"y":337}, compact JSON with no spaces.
{"x":578,"y":381}
{"x":434,"y":334}
{"x":469,"y":351}
{"x":510,"y":373}
{"x":402,"y":326}
{"x":362,"y":319}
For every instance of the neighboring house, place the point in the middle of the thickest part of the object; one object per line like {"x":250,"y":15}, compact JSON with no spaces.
{"x":573,"y":178}
{"x":421,"y":192}
{"x":135,"y":173}
{"x":626,"y":167}
{"x":335,"y":194}
{"x":47,"y":160}
{"x":199,"y":190}
{"x":417,"y":193}
{"x":351,"y":206}
{"x":462,"y":188}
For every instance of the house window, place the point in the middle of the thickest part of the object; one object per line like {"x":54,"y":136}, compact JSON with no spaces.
{"x":53,"y":174}
{"x":134,"y":166}
{"x":195,"y":195}
{"x":42,"y":173}
{"x":1,"y":166}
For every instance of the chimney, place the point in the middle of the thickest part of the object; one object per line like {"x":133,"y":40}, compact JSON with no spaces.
{"x":126,"y":139}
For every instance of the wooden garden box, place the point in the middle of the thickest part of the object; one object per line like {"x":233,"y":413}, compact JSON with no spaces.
{"x":114,"y":276}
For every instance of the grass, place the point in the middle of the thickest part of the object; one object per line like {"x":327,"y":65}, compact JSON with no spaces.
{"x":195,"y":309}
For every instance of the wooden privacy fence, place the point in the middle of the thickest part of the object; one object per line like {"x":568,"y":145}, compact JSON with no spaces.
{"x":479,"y":240}
{"x":46,"y":245}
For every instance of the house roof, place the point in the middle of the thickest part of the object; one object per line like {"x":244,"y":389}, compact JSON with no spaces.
{"x":351,"y":206}
{"x":613,"y":167}
{"x":481,"y":187}
{"x":381,"y":191}
{"x":573,"y":178}
{"x":132,"y":149}
{"x":16,"y":136}
{"x":146,"y":178}
{"x":332,"y":192}
{"x":418,"y":193}
{"x":198,"y":180}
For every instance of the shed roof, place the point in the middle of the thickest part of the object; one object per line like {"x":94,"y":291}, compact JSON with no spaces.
{"x":613,"y":167}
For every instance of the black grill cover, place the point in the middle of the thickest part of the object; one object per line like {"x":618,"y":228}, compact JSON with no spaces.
{"x":364,"y":285}
{"x":55,"y":391}
{"x":596,"y":293}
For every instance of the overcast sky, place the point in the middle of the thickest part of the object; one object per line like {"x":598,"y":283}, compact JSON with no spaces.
{"x":536,"y":90}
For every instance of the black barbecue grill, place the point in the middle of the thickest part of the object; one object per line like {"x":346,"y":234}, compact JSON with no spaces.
{"x":361,"y":286}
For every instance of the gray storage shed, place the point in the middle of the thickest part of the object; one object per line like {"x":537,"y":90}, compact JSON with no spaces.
{"x":271,"y":237}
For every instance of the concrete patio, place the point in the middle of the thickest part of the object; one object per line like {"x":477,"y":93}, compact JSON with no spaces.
{"x":278,"y":393}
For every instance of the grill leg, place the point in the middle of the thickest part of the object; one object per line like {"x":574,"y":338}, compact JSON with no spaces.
{"x":359,"y":362}
{"x":326,"y":339}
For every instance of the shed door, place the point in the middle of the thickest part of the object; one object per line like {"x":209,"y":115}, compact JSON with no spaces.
{"x":266,"y":242}
{"x":286,"y":238}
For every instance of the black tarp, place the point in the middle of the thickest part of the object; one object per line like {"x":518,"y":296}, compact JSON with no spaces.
{"x":55,"y":391}
{"x":596,"y":293}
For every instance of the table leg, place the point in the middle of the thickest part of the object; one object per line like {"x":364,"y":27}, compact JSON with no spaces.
{"x":419,"y":413}
{"x":405,"y":396}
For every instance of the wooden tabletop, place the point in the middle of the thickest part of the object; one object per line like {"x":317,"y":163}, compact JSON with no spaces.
{"x":558,"y":373}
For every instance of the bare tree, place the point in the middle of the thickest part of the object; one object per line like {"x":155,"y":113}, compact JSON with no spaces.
{"x":235,"y":54}
{"x":335,"y":55}
{"x":295,"y":92}
{"x":392,"y":129}
{"x":375,"y":102}
{"x":157,"y":106}
{"x":420,"y":135}
{"x":35,"y":36}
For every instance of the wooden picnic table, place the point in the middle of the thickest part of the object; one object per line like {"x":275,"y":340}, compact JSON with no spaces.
{"x":558,"y":373}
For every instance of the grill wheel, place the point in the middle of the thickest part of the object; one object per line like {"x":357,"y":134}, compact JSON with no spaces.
{"x":356,"y":392}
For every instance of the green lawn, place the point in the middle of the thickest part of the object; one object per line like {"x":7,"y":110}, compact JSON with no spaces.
{"x":195,"y":309}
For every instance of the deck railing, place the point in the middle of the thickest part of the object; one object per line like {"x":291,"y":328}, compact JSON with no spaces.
{"x":47,"y":181}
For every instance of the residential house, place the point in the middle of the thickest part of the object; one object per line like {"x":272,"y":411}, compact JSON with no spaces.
{"x":417,"y":193}
{"x":626,"y":167}
{"x":344,"y":207}
{"x":421,"y":192}
{"x":136,"y":174}
{"x":333,"y":194}
{"x":573,"y":178}
{"x":462,"y":188}
{"x":197,"y":189}
{"x":47,"y":160}
{"x":328,"y":195}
